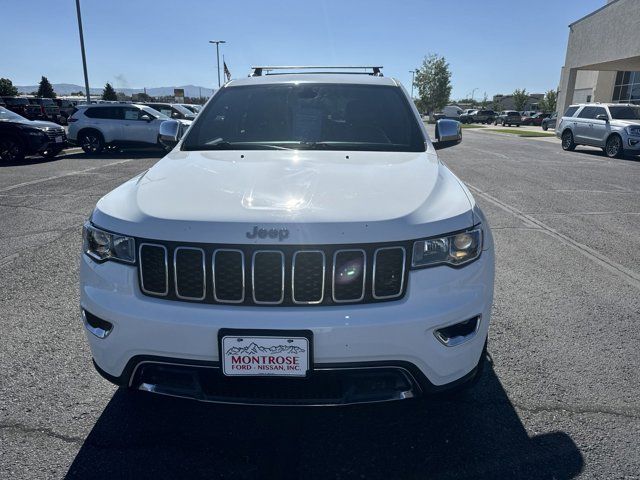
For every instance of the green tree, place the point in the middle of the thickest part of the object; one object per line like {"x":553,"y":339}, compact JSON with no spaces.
{"x":520,"y":98}
{"x":109,"y":93}
{"x":45,"y":89}
{"x":433,"y":81}
{"x":7,"y":89}
{"x":549,"y":101}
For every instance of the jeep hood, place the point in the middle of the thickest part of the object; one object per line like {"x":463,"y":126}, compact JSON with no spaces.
{"x":320,"y":197}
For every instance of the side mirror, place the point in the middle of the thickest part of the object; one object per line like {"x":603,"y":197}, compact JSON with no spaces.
{"x":448,"y":134}
{"x":602,"y":116}
{"x":146,"y":118}
{"x":170,"y":133}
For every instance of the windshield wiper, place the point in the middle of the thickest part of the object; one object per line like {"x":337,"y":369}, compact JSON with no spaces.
{"x":314,"y":145}
{"x":224,"y":145}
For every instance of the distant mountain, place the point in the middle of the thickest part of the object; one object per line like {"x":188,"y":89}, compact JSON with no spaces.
{"x":252,"y":349}
{"x":69,"y":88}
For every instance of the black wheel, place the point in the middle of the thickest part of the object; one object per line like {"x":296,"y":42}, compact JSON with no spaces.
{"x":92,"y":142}
{"x":51,"y":153}
{"x":567,"y":140}
{"x":503,"y":123}
{"x":11,"y":150}
{"x":518,"y":125}
{"x":613,"y":148}
{"x":545,"y":127}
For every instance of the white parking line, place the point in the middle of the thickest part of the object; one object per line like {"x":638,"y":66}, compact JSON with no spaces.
{"x":629,"y":276}
{"x":68,"y":174}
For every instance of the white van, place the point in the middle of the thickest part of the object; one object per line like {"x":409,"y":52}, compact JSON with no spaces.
{"x":452,"y":111}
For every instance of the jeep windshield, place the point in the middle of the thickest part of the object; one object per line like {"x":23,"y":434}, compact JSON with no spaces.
{"x":307,"y":116}
{"x":625,"y":113}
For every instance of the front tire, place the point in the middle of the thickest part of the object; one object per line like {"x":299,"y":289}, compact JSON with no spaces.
{"x":613,"y":147}
{"x":11,"y":150}
{"x":92,"y":142}
{"x":567,"y":141}
{"x":545,"y":127}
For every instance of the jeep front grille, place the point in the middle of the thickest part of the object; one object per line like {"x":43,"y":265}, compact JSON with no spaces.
{"x":273,"y":275}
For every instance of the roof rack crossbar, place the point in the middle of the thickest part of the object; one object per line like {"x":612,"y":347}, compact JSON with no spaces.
{"x":260,"y":70}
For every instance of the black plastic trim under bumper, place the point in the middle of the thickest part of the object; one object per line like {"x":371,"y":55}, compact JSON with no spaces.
{"x":421,"y":384}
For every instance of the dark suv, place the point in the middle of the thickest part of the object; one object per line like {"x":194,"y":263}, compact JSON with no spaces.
{"x":67,"y":107}
{"x":23,"y":107}
{"x":508,"y":118}
{"x":20,"y":137}
{"x":50,"y":111}
{"x":484,"y":116}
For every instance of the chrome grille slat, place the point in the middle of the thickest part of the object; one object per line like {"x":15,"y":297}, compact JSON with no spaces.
{"x":216,"y":282}
{"x":300,"y":301}
{"x":390,"y":271}
{"x":141,"y":255}
{"x":266,"y":285}
{"x":357,"y":253}
{"x":177,"y":267}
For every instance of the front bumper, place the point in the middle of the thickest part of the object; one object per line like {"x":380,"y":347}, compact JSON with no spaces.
{"x":396,"y":334}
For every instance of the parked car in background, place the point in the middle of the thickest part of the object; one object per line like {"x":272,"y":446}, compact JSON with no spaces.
{"x":67,"y":107}
{"x":93,"y":127}
{"x":467,"y":116}
{"x":173,"y":110}
{"x":483,"y":116}
{"x":452,"y":111}
{"x":549,"y":122}
{"x":614,"y":127}
{"x":535,"y":119}
{"x":49,"y":109}
{"x":23,"y":107}
{"x":20,"y":136}
{"x":508,"y":118}
{"x":195,"y":109}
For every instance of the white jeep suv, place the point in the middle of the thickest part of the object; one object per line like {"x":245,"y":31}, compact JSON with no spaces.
{"x":301,"y":244}
{"x":95,"y":126}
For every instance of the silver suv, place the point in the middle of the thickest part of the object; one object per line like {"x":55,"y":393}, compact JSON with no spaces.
{"x":614,"y":127}
{"x":92,"y":127}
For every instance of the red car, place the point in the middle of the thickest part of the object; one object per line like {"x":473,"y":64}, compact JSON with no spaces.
{"x":535,"y":119}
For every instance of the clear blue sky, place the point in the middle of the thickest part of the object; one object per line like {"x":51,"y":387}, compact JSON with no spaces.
{"x":494,"y":46}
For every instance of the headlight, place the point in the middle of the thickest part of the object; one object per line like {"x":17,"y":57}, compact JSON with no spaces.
{"x":101,"y":245}
{"x":634,"y":131}
{"x":455,"y":250}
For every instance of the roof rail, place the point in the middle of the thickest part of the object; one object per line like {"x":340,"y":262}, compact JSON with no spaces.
{"x":258,"y":71}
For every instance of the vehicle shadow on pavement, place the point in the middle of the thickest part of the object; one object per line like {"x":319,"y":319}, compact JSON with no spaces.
{"x":475,"y":435}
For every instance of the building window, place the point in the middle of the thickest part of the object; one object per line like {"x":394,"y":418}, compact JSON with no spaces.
{"x":588,"y":98}
{"x":627,"y":88}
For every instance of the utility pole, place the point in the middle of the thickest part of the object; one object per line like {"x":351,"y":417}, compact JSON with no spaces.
{"x":473,"y":93}
{"x":218,"y":42}
{"x":413,"y":76}
{"x":84,"y":57}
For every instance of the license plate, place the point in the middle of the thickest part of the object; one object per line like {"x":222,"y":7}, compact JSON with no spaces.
{"x":58,"y":139}
{"x":281,"y":354}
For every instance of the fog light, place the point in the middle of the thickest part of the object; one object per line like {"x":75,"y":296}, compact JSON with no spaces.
{"x":97,"y":326}
{"x":458,"y":333}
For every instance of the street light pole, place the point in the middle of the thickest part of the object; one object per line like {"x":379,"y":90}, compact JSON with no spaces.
{"x":84,"y":57}
{"x":218,"y":42}
{"x":413,"y":75}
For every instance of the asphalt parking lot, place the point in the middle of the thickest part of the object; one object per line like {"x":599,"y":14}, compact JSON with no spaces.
{"x":560,"y":398}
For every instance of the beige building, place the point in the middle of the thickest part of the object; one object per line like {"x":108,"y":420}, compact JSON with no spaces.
{"x":603,"y":56}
